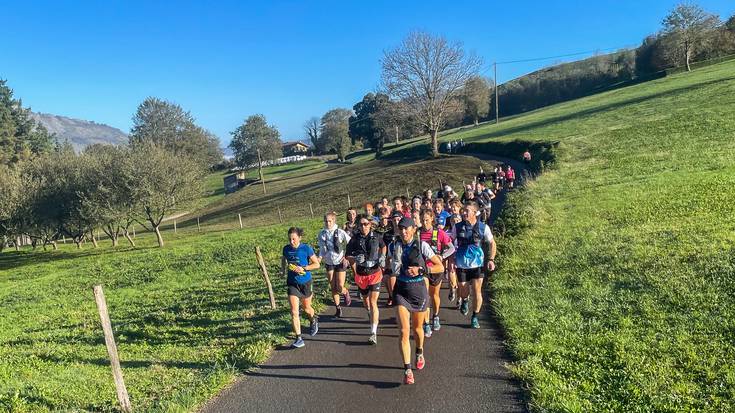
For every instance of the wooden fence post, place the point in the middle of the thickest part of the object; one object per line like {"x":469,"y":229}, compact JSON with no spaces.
{"x":264,"y":270}
{"x":174,"y":226}
{"x":63,"y":239}
{"x":349,"y":202}
{"x":280,"y":217}
{"x":122,"y":393}
{"x":133,"y":231}
{"x":199,"y":229}
{"x":239,"y":217}
{"x":311,"y":209}
{"x":408,"y":194}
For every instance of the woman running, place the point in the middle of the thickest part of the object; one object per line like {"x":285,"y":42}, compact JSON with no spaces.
{"x":351,"y":223}
{"x":366,"y":253}
{"x":455,"y":209}
{"x":400,"y":204}
{"x":409,"y":260}
{"x":510,"y":175}
{"x":332,"y":242}
{"x":389,"y":238}
{"x":442,"y":246}
{"x":416,"y":203}
{"x":297,"y":262}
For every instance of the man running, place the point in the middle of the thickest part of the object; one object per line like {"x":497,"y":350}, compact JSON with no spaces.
{"x":297,"y":261}
{"x":332,"y":242}
{"x":409,"y":260}
{"x":366,"y":254}
{"x":472,"y":238}
{"x":442,"y":246}
{"x":484,"y":199}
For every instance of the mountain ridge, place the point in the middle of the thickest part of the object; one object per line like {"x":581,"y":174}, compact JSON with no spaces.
{"x":80,"y":133}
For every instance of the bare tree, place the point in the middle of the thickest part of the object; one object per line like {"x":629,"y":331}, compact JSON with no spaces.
{"x":427,"y":72}
{"x":688,"y":26}
{"x":311,"y":127}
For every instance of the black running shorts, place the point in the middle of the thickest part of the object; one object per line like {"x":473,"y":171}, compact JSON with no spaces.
{"x":468,"y":274}
{"x":300,"y":290}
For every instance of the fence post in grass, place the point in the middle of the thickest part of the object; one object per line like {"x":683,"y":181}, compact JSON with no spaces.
{"x":122,"y":392}
{"x":63,"y":239}
{"x":280,"y":217}
{"x":311,"y":209}
{"x":239,"y":217}
{"x":349,"y":201}
{"x":174,"y":226}
{"x":199,"y":229}
{"x":264,"y":270}
{"x":408,"y":194}
{"x":133,"y":231}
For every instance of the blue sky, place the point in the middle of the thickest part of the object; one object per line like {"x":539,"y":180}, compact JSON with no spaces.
{"x":224,"y":61}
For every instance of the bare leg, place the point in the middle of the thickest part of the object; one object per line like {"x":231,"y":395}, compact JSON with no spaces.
{"x":372,"y":300}
{"x":477,"y":294}
{"x":435,"y":298}
{"x":293,"y":301}
{"x":417,"y":324}
{"x":308,"y":309}
{"x":333,"y":287}
{"x":340,"y":277}
{"x":404,"y":327}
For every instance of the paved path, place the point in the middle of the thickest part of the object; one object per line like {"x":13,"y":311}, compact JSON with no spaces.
{"x":339,"y":371}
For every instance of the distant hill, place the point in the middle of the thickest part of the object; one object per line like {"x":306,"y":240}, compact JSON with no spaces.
{"x":80,"y":133}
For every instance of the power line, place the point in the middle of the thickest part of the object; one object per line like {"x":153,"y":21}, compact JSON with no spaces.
{"x":537,"y":59}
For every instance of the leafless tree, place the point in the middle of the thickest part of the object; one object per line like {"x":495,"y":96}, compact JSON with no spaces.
{"x":311,"y":128}
{"x":687,"y":26}
{"x":427,"y":72}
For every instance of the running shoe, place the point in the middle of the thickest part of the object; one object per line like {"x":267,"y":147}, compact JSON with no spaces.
{"x":437,"y":325}
{"x":474,"y":322}
{"x":452,"y":294}
{"x":298,"y":343}
{"x":348,"y":299}
{"x":427,"y":331}
{"x":408,"y":377}
{"x":465,"y":307}
{"x":373,"y":339}
{"x":420,"y":362}
{"x":389,"y":303}
{"x":338,"y":312}
{"x":314,"y":326}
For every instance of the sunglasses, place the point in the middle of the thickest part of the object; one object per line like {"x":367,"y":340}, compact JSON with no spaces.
{"x":364,"y":224}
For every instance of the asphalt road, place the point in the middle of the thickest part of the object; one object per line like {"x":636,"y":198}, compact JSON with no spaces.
{"x":338,"y":370}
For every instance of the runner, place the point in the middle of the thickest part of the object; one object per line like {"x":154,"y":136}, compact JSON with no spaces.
{"x":440,"y":213}
{"x":297,"y":262}
{"x":442,"y":245}
{"x":510,"y":175}
{"x":351,"y":223}
{"x":527,"y":157}
{"x":370,"y":212}
{"x":484,"y":200}
{"x":366,"y":254}
{"x":455,"y":217}
{"x":416,"y":203}
{"x":470,"y":237}
{"x":400,"y":204}
{"x":388,"y":239}
{"x":501,"y":179}
{"x":409,"y":260}
{"x":332,"y":242}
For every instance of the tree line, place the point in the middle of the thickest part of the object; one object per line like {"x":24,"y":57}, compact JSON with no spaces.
{"x":688,"y":34}
{"x":55,"y":193}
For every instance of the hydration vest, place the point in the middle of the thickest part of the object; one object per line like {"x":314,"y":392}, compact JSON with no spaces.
{"x":469,"y":240}
{"x":368,"y":251}
{"x":434,"y":242}
{"x":410,"y":256}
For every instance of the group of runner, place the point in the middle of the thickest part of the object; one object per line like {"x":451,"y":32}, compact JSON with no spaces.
{"x":411,"y":246}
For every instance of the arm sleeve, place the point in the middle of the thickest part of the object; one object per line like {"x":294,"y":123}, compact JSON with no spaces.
{"x":449,"y":246}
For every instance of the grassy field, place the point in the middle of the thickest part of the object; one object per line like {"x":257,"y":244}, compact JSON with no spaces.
{"x":617,"y":280}
{"x":187,"y":318}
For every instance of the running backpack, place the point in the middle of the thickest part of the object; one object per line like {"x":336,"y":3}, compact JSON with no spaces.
{"x":409,"y":255}
{"x":469,"y":245}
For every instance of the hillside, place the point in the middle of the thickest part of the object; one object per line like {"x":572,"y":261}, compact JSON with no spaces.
{"x":617,"y":279}
{"x":80,"y":133}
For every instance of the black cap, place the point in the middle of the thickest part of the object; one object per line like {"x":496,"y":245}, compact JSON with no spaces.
{"x":396,"y":214}
{"x":406,"y":222}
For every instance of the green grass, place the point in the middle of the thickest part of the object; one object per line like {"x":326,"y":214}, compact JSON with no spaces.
{"x":187,"y":319}
{"x":617,"y":273}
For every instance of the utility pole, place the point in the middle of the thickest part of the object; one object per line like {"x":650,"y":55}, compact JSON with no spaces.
{"x":260,"y":170}
{"x":495,"y":68}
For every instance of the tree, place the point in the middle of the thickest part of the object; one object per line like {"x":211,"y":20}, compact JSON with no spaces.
{"x":20,"y":136}
{"x":311,"y":128}
{"x":427,"y":72}
{"x":335,"y":131}
{"x":169,"y":126}
{"x":686,"y":27}
{"x":255,"y":142}
{"x":477,"y":91}
{"x":161,"y":183}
